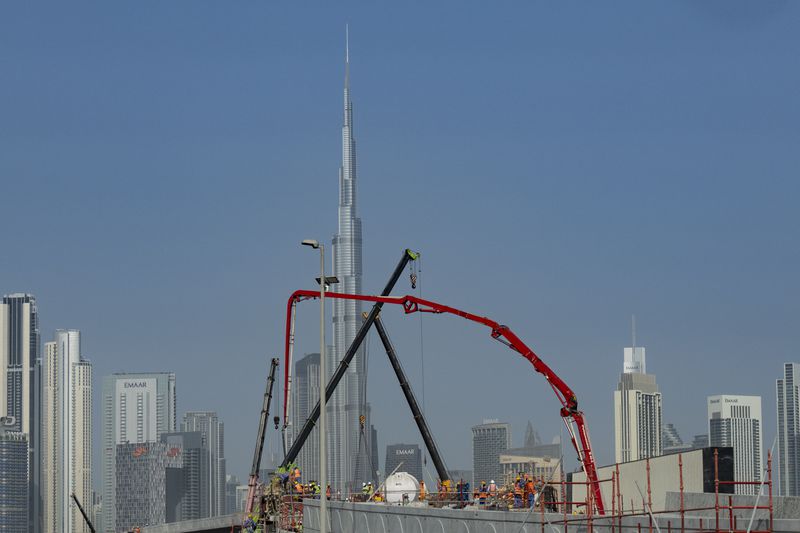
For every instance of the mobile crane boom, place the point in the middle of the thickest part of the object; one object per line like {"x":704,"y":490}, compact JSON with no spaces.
{"x":262,"y":430}
{"x":419,"y":418}
{"x":338,"y":374}
{"x":83,"y":513}
{"x":574,"y":419}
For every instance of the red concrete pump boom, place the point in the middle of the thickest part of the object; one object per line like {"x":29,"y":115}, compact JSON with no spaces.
{"x":573,"y":418}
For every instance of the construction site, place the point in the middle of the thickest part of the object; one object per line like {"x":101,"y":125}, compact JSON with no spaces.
{"x":691,"y":491}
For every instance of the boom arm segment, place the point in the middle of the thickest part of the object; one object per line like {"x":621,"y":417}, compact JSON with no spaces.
{"x":262,"y":431}
{"x":569,"y":402}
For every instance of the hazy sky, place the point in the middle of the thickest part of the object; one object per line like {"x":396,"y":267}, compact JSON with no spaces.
{"x":560,"y":166}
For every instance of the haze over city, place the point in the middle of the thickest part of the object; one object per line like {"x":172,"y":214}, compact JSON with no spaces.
{"x":559,"y":168}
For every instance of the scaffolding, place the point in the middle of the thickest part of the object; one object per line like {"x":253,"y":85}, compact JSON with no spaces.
{"x":582,"y":513}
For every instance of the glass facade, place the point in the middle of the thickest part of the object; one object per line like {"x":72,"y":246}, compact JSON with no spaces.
{"x":489,"y":440}
{"x":13,"y":482}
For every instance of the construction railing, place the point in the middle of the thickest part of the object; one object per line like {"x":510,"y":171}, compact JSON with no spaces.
{"x":620,"y":517}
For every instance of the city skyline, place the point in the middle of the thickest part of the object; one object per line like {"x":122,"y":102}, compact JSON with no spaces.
{"x":588,"y":166}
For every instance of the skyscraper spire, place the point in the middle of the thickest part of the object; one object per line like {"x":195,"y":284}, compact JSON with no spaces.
{"x":347,"y":60}
{"x":347,"y":403}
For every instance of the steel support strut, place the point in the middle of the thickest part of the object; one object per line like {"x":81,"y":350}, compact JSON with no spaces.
{"x":262,"y":430}
{"x":427,"y":437}
{"x":298,"y":443}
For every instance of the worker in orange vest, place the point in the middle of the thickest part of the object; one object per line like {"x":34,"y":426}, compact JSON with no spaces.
{"x":529,"y":492}
{"x":421,"y":491}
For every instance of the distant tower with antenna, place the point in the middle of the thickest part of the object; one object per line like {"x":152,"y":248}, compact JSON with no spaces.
{"x":350,"y":436}
{"x":637,"y":407}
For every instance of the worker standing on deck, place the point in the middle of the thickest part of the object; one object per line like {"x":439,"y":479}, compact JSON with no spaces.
{"x":492,"y":489}
{"x":482,"y":493}
{"x":421,"y":491}
{"x":364,"y":491}
{"x":530,"y":491}
{"x":328,"y":492}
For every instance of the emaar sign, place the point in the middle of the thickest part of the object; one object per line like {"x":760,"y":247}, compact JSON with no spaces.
{"x":408,"y":451}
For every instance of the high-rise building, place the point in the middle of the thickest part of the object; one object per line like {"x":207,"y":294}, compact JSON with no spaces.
{"x":699,"y":441}
{"x":142,"y":471}
{"x":736,"y":421}
{"x":305,"y":395}
{"x":407,"y":457}
{"x":671,"y":441}
{"x":788,"y":407}
{"x":20,"y":386}
{"x":14,"y":482}
{"x":213,"y":430}
{"x":346,"y":446}
{"x":231,"y":482}
{"x":489,"y":440}
{"x":66,"y":433}
{"x":187,"y":486}
{"x":637,"y":410}
{"x":137,"y":408}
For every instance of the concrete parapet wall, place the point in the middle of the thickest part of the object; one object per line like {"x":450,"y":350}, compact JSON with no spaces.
{"x":349,"y":517}
{"x":217,"y":523}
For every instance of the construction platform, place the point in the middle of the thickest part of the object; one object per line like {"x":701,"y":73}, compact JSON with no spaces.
{"x":349,"y":517}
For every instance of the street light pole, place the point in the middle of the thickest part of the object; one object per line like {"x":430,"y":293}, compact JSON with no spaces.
{"x":323,"y":454}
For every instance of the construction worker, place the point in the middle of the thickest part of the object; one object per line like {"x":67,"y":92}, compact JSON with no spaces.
{"x":328,"y":492}
{"x":483,"y":492}
{"x":530,"y":491}
{"x":364,"y":492}
{"x":370,"y":490}
{"x":317,"y":490}
{"x":421,"y":491}
{"x":492,"y":489}
{"x":518,"y":493}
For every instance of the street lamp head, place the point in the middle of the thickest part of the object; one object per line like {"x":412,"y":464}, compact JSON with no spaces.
{"x":310,"y":242}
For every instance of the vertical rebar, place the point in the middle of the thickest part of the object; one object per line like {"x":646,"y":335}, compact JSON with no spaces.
{"x":619,"y":498}
{"x":730,"y":512}
{"x":680,"y":476}
{"x":716,"y":489}
{"x":649,"y":496}
{"x":769,"y":476}
{"x":613,"y":502}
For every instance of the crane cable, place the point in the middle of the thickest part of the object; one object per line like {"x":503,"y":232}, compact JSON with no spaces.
{"x":415,"y":268}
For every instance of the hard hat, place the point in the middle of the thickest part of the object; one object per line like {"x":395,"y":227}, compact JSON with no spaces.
{"x":363,"y":484}
{"x":492,"y":481}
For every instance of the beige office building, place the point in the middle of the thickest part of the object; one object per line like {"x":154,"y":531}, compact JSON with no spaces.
{"x":637,"y":410}
{"x":66,"y":433}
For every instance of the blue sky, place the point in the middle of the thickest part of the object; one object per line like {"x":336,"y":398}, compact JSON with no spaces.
{"x":560,"y":166}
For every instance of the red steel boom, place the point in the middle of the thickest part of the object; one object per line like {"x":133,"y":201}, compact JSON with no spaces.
{"x":411,"y":304}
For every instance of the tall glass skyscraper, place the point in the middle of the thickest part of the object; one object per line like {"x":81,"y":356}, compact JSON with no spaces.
{"x":66,"y":433}
{"x":213,"y":431}
{"x":137,"y":408}
{"x":349,"y":439}
{"x":13,"y":481}
{"x":305,"y":395}
{"x":489,"y":440}
{"x":736,"y":421}
{"x":637,"y":410}
{"x":20,"y":385}
{"x":788,"y":406}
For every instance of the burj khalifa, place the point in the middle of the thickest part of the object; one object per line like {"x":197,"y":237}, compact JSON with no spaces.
{"x":350,"y":436}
